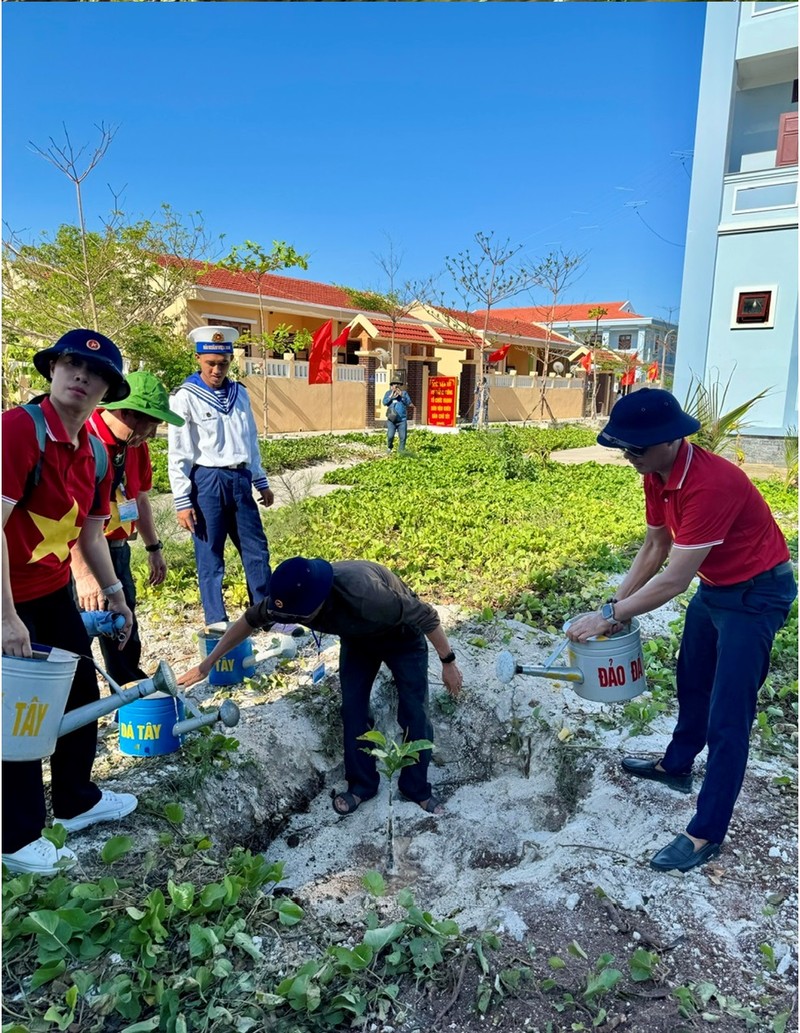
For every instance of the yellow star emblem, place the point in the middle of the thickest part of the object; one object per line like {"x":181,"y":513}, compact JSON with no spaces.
{"x":57,"y":534}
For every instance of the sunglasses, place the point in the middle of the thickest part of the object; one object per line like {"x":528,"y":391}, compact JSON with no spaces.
{"x":637,"y":451}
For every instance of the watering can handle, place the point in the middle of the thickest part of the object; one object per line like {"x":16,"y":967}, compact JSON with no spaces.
{"x":562,"y":645}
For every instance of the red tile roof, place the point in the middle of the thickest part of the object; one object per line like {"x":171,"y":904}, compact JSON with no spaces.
{"x":416,"y":332}
{"x":569,"y":313}
{"x":450,"y":336}
{"x":500,"y":324}
{"x":273,"y":286}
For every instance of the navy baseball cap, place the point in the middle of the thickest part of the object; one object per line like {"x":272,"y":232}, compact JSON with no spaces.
{"x":99,"y":352}
{"x":298,"y":586}
{"x":647,"y":417}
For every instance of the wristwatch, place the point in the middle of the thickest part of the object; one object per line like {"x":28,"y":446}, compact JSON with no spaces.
{"x":154,"y":547}
{"x":607,"y":613}
{"x":449,"y":659}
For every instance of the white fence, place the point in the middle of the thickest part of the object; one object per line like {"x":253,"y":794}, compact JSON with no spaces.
{"x":509,"y":380}
{"x":288,"y":369}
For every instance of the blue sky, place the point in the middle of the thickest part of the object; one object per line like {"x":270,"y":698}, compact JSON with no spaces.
{"x":333,"y":125}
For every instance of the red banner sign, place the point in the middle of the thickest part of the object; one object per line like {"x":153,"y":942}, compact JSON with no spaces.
{"x":442,"y":401}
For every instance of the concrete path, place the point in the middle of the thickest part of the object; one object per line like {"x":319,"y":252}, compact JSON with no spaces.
{"x":612,"y":456}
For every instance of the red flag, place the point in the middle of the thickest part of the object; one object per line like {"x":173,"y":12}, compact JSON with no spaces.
{"x":628,"y":377}
{"x":320,"y":367}
{"x":500,"y":354}
{"x":342,"y":338}
{"x":652,"y":371}
{"x":586,"y":361}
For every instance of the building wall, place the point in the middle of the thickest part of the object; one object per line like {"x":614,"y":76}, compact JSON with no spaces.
{"x":294,"y":405}
{"x":517,"y":404}
{"x":742,"y":224}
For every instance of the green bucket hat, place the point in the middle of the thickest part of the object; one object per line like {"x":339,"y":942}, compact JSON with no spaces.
{"x":148,"y":396}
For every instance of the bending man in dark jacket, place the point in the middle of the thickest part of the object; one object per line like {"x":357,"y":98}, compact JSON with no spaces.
{"x":378,"y":620}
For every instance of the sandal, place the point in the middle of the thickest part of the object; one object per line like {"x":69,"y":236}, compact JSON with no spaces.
{"x":352,"y":802}
{"x":429,"y":805}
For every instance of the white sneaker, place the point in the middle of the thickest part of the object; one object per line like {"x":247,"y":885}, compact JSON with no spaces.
{"x":40,"y":857}
{"x":110,"y":807}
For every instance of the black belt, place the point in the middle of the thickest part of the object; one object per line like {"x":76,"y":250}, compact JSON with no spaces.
{"x":116,"y":543}
{"x":766,"y":575}
{"x":236,"y":466}
{"x":779,"y":571}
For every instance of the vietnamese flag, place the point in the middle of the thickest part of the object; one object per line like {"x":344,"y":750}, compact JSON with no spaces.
{"x":586,"y":361}
{"x":500,"y":354}
{"x":628,"y":377}
{"x":652,"y":371}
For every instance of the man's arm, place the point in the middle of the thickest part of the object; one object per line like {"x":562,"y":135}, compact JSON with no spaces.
{"x":149,"y":535}
{"x":180,"y":460}
{"x":236,"y":633}
{"x":451,"y":675}
{"x":94,"y":549}
{"x":16,"y":639}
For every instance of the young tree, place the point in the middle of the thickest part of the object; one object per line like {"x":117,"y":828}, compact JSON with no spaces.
{"x":256,"y":264}
{"x":483,"y":280}
{"x":557,"y":271}
{"x":399,"y":298}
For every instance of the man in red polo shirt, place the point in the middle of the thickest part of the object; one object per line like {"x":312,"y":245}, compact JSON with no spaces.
{"x":125,"y":427}
{"x":707,"y":519}
{"x":42,"y":519}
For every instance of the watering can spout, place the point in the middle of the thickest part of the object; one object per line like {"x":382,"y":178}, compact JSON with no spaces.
{"x":162,"y":681}
{"x":506,"y":667}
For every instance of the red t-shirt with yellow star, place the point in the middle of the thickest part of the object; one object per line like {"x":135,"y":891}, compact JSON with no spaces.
{"x":137,"y":474}
{"x":40,"y":533}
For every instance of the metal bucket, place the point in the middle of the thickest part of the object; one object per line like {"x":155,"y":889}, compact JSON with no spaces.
{"x":146,"y":726}
{"x":35,"y":692}
{"x":235,"y":665}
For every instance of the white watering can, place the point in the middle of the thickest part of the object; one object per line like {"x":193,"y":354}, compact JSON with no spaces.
{"x":35,"y":691}
{"x":605,"y":668}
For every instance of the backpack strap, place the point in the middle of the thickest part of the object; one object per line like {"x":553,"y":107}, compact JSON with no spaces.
{"x":36,"y":414}
{"x":98,"y":448}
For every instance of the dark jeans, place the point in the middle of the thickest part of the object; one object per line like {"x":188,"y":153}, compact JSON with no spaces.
{"x":123,"y":664}
{"x":401,"y":429}
{"x":225,"y":508}
{"x":723,"y":661}
{"x":54,"y":620}
{"x":405,"y":653}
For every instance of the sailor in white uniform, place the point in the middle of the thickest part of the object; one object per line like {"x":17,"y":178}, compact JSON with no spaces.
{"x":214,"y":465}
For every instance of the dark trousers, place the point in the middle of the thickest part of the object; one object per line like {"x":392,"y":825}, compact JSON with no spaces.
{"x":54,"y":620}
{"x":401,"y":429}
{"x":405,"y":653}
{"x":123,"y":664}
{"x":723,"y":661}
{"x":225,"y":508}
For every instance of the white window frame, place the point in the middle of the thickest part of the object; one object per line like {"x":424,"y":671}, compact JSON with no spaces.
{"x":759,"y":186}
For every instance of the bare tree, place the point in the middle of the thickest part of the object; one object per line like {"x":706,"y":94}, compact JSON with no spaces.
{"x":65,"y":158}
{"x":483,"y":280}
{"x":557,"y":271}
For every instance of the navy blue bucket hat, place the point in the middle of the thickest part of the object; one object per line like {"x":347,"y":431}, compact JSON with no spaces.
{"x":646,"y":417}
{"x":298,"y":587}
{"x":98,"y":351}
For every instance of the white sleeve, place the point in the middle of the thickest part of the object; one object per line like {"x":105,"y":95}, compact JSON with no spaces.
{"x":180,"y":452}
{"x":256,"y":468}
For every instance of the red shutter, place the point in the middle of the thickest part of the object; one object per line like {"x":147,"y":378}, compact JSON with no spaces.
{"x":787,"y":139}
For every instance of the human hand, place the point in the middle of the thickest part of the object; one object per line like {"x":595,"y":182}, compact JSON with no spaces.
{"x":192,"y":676}
{"x":187,"y":519}
{"x":158,"y":567}
{"x":267,"y":497}
{"x":89,"y":594}
{"x":453,"y":679}
{"x":589,"y":625}
{"x":16,"y":637}
{"x":118,"y":605}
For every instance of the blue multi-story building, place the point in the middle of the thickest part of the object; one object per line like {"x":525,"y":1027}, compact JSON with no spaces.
{"x":740,"y":277}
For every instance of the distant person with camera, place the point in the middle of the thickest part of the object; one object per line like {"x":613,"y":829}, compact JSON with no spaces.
{"x":397,"y":401}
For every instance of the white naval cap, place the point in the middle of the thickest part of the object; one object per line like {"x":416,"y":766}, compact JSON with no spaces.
{"x":214,"y":340}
